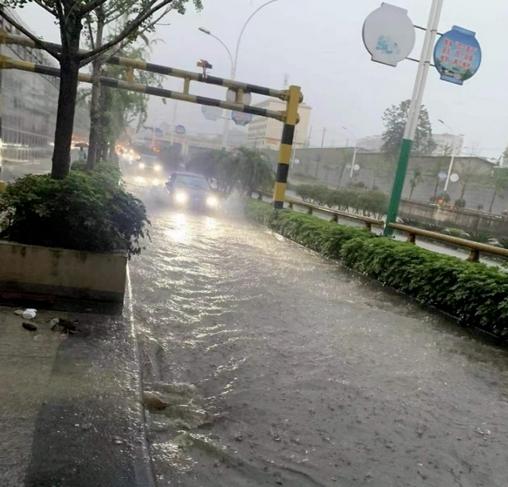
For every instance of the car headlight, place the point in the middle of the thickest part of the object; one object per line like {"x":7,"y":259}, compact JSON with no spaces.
{"x":157,"y":168}
{"x":141,"y":165}
{"x":181,"y":197}
{"x":212,"y":202}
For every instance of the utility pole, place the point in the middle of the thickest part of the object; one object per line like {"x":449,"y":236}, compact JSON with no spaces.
{"x":323,"y":137}
{"x":414,"y":113}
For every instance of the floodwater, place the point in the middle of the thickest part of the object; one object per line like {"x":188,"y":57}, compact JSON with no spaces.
{"x":281,"y":368}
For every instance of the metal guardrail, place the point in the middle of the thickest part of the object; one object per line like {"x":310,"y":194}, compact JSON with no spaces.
{"x":335,"y":214}
{"x":474,"y":247}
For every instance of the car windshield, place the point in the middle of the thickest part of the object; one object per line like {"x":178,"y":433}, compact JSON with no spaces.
{"x":193,"y":182}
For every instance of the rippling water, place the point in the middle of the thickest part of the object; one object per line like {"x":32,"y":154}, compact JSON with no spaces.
{"x":282,"y":368}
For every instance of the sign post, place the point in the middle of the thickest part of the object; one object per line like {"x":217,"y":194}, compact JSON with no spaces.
{"x":414,"y":114}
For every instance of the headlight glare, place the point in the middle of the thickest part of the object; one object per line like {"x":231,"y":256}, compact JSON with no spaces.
{"x":181,"y":197}
{"x":212,"y":202}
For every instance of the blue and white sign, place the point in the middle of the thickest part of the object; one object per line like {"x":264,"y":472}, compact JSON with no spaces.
{"x":389,"y":34}
{"x":457,"y":55}
{"x":180,"y":130}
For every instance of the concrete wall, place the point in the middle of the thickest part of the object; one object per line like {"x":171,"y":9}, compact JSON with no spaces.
{"x":468,"y":220}
{"x":329,"y":166}
{"x":28,"y":270}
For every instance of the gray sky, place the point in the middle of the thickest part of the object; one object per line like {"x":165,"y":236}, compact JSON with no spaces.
{"x":318,"y":44}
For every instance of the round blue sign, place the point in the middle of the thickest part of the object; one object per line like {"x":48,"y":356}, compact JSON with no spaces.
{"x":457,"y":55}
{"x":180,"y":130}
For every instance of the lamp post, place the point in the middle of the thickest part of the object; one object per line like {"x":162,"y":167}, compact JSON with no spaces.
{"x":414,"y":113}
{"x":234,"y":59}
{"x":355,"y":151}
{"x":452,"y":158}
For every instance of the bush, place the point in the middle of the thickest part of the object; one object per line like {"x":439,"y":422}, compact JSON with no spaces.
{"x":477,"y":295}
{"x":90,"y":212}
{"x":460,"y":203}
{"x":370,"y":202}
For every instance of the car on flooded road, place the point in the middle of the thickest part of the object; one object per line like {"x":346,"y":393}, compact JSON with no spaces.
{"x":192,"y":191}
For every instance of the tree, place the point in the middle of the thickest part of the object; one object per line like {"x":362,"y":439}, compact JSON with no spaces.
{"x":500,"y":185}
{"x":254,"y":169}
{"x":118,"y":109}
{"x":247,"y":169}
{"x":395,"y":118}
{"x":415,"y":180}
{"x":71,"y":15}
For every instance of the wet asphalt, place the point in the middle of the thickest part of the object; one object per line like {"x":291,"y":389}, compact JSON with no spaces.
{"x":282,"y":368}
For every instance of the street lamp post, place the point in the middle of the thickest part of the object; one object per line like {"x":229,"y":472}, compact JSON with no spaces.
{"x":414,"y":113}
{"x":234,"y":60}
{"x":452,"y":158}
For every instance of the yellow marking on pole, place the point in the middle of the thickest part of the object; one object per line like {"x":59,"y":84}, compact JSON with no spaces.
{"x":186,"y":86}
{"x":129,"y":75}
{"x":294,"y":96}
{"x":279,"y":191}
{"x":285,"y":153}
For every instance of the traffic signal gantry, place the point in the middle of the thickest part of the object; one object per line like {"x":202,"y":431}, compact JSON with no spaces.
{"x":292,"y":96}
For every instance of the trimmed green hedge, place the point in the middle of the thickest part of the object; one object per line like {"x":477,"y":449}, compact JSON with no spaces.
{"x":476,"y":294}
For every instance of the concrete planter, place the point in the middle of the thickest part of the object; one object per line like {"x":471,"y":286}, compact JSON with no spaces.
{"x":51,"y":275}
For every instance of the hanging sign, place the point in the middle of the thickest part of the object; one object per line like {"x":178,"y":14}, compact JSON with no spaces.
{"x":389,"y":34}
{"x":457,"y":55}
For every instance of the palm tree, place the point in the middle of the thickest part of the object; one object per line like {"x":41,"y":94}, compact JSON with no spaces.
{"x":253,"y":169}
{"x":416,"y":179}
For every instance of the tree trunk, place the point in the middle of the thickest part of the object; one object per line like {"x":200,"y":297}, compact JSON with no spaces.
{"x":61,"y":162}
{"x":463,"y":192}
{"x":436,"y":187}
{"x":411,"y":191}
{"x":95,"y":108}
{"x":95,"y":118}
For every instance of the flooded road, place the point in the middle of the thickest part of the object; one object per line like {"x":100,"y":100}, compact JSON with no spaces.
{"x":282,"y":368}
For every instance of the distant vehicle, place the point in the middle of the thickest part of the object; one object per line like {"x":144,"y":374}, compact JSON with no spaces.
{"x":149,"y":165}
{"x":190,"y":190}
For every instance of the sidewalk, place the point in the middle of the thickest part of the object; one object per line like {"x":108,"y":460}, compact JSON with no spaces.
{"x":69,"y":413}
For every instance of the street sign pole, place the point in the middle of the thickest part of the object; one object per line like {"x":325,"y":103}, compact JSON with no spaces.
{"x":414,"y":113}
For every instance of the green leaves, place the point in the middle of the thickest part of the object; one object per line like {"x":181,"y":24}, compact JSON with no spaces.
{"x":370,"y":202}
{"x":477,"y":295}
{"x":395,"y":118}
{"x":90,"y":212}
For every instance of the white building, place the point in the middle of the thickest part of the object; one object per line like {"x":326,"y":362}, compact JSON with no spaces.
{"x":265,"y":133}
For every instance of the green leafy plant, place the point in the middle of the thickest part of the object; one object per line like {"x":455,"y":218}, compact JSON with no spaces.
{"x":476,"y":294}
{"x":85,"y":211}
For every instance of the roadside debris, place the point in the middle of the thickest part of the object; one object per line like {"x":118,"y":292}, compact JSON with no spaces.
{"x":64,"y":326}
{"x":29,"y":326}
{"x":27,"y":314}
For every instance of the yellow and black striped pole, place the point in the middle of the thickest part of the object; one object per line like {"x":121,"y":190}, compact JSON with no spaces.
{"x":294,"y":99}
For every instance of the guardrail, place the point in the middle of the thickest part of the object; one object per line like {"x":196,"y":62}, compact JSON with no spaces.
{"x":335,"y":214}
{"x":474,"y":247}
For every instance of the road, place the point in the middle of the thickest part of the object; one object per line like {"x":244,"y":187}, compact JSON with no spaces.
{"x":283,"y":368}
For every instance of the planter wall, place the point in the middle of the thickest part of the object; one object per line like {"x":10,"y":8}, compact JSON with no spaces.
{"x":48,"y":274}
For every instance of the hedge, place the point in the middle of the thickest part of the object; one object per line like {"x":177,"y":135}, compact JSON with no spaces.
{"x":475,"y":294}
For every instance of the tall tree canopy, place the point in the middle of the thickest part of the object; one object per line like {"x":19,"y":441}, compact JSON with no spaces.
{"x":71,"y":17}
{"x":395,"y":118}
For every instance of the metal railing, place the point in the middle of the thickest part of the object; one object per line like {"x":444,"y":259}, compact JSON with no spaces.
{"x":474,"y":247}
{"x":368,"y":221}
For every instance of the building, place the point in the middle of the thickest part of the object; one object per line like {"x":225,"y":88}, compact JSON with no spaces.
{"x":28,"y":104}
{"x":447,"y":144}
{"x":266,"y":133}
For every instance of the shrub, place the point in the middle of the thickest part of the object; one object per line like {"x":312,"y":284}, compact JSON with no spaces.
{"x":90,"y":212}
{"x":460,"y":203}
{"x":477,"y":295}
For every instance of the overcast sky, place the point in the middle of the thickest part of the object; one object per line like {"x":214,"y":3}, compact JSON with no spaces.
{"x":318,"y":44}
